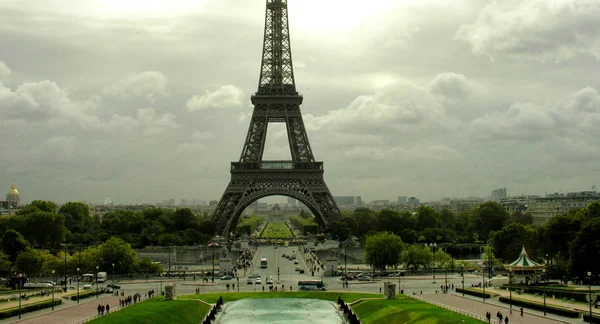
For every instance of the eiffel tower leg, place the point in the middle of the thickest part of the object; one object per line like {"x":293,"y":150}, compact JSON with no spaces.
{"x":247,"y":187}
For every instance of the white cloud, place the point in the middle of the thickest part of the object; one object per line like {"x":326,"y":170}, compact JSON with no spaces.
{"x":36,"y":101}
{"x":4,"y":71}
{"x":535,"y":29}
{"x":227,"y":96}
{"x":148,"y":85}
{"x":451,"y":85}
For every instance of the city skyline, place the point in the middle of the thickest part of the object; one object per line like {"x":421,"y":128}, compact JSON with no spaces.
{"x":143,"y":103}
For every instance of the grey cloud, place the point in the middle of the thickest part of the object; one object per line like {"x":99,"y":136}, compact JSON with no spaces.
{"x":228,"y":96}
{"x":451,"y":86}
{"x":4,"y":71}
{"x":535,"y":29}
{"x":147,"y":84}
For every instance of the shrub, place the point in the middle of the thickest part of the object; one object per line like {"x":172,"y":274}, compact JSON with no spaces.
{"x":539,"y":306}
{"x":473,"y":292}
{"x":85,"y":294}
{"x":591,"y":319}
{"x":9,"y":312}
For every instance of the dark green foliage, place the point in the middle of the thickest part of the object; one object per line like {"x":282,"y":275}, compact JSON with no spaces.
{"x":540,"y":306}
{"x":10,"y":312}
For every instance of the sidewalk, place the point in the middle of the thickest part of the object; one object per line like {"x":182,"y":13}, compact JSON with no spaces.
{"x":68,"y":313}
{"x":15,"y":302}
{"x":480,"y":308}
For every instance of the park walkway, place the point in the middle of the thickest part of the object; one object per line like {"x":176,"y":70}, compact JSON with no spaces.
{"x":478,"y":307}
{"x":69,"y":312}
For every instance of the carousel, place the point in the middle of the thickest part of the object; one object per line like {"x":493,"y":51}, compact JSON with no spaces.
{"x":525,"y":271}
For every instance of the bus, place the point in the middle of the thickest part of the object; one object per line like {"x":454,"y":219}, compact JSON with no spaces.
{"x":312,"y":285}
{"x":88,"y":277}
{"x":263,"y":262}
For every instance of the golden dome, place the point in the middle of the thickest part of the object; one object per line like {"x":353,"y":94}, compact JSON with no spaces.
{"x":13,"y":191}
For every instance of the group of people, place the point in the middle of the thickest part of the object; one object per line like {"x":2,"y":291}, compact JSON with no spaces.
{"x":129,"y":299}
{"x":102,"y":308}
{"x":500,"y":317}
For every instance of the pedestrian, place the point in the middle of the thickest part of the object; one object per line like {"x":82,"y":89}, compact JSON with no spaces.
{"x":263,"y":288}
{"x":102,"y":309}
{"x":488,"y":315}
{"x":500,"y":317}
{"x":506,"y":320}
{"x":107,"y":309}
{"x":99,"y":309}
{"x":290,"y":288}
{"x":380,"y":290}
{"x":521,"y":311}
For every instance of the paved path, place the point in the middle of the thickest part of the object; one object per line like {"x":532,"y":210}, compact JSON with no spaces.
{"x":480,"y":308}
{"x":70,"y":312}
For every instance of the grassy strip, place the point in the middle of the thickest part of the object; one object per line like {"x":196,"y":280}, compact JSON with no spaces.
{"x":406,"y":310}
{"x":158,"y":311}
{"x":9,"y":312}
{"x":276,"y":230}
{"x":540,"y":306}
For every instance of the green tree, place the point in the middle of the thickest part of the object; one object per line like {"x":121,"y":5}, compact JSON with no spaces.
{"x":339,"y":230}
{"x":13,"y":243}
{"x":418,"y":257}
{"x":383,"y":249}
{"x":585,"y":249}
{"x":5,"y":263}
{"x":77,"y":217}
{"x":45,"y":205}
{"x":489,"y":216}
{"x":427,"y":217}
{"x":147,"y":267}
{"x":509,"y":241}
{"x":30,"y":262}
{"x":118,"y":252}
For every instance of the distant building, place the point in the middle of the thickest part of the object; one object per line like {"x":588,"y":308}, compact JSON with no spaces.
{"x":13,"y":199}
{"x":291,"y":201}
{"x":402,"y":200}
{"x":544,"y":208}
{"x":498,"y":195}
{"x":413,"y":202}
{"x":184,"y":202}
{"x":355,"y":201}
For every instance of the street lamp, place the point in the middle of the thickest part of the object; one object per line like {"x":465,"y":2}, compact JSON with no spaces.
{"x":462,"y":274}
{"x":97,"y":281}
{"x":113,"y":276}
{"x":510,"y":286}
{"x":65,"y":267}
{"x":77,"y":285}
{"x":483,"y":278}
{"x":20,"y":276}
{"x":590,"y":292}
{"x":53,"y":290}
{"x":544,"y":290}
{"x":213,"y":246}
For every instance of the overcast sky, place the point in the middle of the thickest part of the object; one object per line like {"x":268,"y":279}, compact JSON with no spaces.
{"x":142,"y":101}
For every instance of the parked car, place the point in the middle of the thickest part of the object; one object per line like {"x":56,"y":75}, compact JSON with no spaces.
{"x":250,"y":281}
{"x":254,"y":275}
{"x":295,"y":261}
{"x":113,"y":286}
{"x":301,"y":270}
{"x":365,"y":278}
{"x":226,"y":277}
{"x":87,"y":287}
{"x":258,"y":281}
{"x":269,"y":280}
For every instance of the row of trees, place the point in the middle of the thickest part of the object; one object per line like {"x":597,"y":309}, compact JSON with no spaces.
{"x":44,"y":225}
{"x":17,"y":256}
{"x":567,"y":243}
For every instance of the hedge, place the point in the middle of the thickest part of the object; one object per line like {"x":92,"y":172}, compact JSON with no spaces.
{"x":473,"y":292}
{"x":591,"y":319}
{"x":557,"y":292}
{"x":86,"y":294}
{"x":540,"y":306}
{"x":10,"y":312}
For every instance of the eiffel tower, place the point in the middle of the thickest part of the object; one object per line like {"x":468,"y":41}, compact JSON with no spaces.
{"x":276,"y":101}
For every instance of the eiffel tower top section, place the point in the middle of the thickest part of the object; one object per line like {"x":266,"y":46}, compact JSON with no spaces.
{"x":276,"y":71}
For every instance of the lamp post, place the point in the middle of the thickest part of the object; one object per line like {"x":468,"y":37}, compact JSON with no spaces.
{"x":20,"y":288}
{"x":510,"y":287}
{"x":213,"y":246}
{"x":590,"y":292}
{"x":544,"y":290}
{"x":53,"y":290}
{"x":77,"y":285}
{"x":483,"y":279}
{"x":462,"y":273}
{"x":97,"y":281}
{"x":65,"y":267}
{"x":169,"y":269}
{"x":113,"y":276}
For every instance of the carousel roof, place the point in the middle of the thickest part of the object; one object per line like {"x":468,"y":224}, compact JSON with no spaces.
{"x":524,"y":261}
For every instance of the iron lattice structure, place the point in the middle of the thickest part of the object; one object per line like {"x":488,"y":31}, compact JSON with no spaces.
{"x":276,"y":101}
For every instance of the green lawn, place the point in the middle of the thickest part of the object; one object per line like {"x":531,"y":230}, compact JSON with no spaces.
{"x":276,"y":230}
{"x":159,"y":311}
{"x":406,"y":310}
{"x":385,"y":311}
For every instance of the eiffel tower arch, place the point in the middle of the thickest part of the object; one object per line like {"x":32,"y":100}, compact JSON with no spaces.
{"x":276,"y":101}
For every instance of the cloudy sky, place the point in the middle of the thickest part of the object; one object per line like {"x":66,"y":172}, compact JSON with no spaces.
{"x":148,"y":100}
